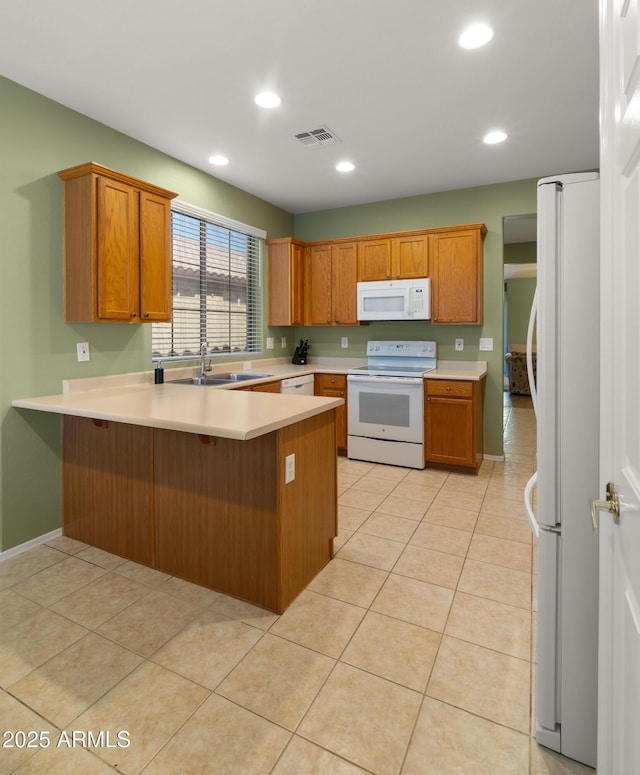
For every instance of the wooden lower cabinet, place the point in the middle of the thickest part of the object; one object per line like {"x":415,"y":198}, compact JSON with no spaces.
{"x":453,"y":421}
{"x":213,"y":511}
{"x":335,"y":386}
{"x":267,"y":387}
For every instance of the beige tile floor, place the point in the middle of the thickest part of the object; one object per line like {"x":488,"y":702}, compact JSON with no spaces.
{"x":411,"y":652}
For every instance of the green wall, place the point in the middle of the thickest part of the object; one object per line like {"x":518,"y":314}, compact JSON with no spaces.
{"x":519,"y":300}
{"x":38,"y":137}
{"x":521,"y":253}
{"x":483,"y":204}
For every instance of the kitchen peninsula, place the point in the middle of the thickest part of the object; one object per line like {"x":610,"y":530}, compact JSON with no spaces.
{"x":230,"y":489}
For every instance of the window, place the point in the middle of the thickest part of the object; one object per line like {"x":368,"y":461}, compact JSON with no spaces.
{"x":216,"y":287}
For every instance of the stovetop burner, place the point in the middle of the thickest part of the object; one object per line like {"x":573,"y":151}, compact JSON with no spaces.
{"x":398,"y":359}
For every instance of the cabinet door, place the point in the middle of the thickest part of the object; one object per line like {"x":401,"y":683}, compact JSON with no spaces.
{"x":449,"y":431}
{"x":457,"y":277}
{"x":335,"y":386}
{"x":410,"y":257}
{"x":374,"y":260}
{"x":267,"y":387}
{"x":319,"y":267}
{"x":345,"y":277}
{"x":286,"y":283}
{"x":155,"y":258}
{"x":117,"y":272}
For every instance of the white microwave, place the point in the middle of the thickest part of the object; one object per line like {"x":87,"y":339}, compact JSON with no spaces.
{"x":395,"y":299}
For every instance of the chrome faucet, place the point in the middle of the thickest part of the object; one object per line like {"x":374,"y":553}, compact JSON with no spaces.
{"x":202,"y":378}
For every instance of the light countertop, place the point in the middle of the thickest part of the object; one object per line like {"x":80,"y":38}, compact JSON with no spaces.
{"x":215,"y":411}
{"x":231,"y":414}
{"x":464,"y":370}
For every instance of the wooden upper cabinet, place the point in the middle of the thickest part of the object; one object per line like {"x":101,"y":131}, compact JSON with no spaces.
{"x":314,"y":283}
{"x":345,"y":277}
{"x":285,"y":282}
{"x":457,"y":276}
{"x":374,"y":260}
{"x":319,"y":268}
{"x":155,"y":270}
{"x":332,"y":274}
{"x":410,"y":257}
{"x":117,"y":247}
{"x":403,"y":257}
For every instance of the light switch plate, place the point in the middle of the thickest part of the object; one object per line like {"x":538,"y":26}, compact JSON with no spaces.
{"x":345,"y":341}
{"x":459,"y":345}
{"x":486,"y":343}
{"x":270,"y":343}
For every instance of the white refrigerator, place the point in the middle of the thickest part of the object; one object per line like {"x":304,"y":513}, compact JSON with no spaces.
{"x":566,"y":400}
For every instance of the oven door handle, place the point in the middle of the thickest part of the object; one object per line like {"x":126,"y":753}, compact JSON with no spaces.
{"x":385,"y":380}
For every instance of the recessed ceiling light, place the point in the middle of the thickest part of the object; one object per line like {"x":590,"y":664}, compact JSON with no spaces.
{"x":496,"y":136}
{"x":345,"y":166}
{"x":267,"y":99}
{"x":218,"y":159}
{"x":475,"y":36}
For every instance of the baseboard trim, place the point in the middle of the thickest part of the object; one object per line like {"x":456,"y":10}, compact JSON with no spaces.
{"x":497,"y":458}
{"x":15,"y":550}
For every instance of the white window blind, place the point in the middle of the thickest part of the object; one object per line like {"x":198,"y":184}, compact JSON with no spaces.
{"x":216,"y":286}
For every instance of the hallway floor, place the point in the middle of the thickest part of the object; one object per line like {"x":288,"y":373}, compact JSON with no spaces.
{"x":411,"y":652}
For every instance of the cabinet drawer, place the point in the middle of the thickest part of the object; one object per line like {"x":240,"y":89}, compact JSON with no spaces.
{"x":331,"y":381}
{"x":450,"y":388}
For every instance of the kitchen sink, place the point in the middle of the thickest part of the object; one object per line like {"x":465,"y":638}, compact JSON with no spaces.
{"x":224,"y":378}
{"x":240,"y":376}
{"x":208,"y":381}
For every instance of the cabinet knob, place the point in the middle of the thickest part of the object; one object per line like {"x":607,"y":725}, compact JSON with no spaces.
{"x":333,"y":381}
{"x":132,"y":314}
{"x":146,"y":315}
{"x":328,"y":321}
{"x":448,"y":388}
{"x":428,"y":400}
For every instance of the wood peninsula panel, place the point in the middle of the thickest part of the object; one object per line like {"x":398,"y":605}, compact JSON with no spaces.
{"x":215,"y":513}
{"x":307,"y":508}
{"x":107,"y":486}
{"x":225,"y":518}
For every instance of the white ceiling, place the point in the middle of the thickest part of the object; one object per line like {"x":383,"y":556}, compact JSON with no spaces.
{"x":388,"y":78}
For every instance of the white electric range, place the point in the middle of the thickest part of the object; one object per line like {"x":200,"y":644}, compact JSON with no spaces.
{"x":385,"y":414}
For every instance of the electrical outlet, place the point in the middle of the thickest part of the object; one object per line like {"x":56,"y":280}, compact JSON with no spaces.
{"x":345,"y":341}
{"x":270,"y":343}
{"x":83,"y":351}
{"x":289,"y":468}
{"x":459,"y":345}
{"x":283,"y":342}
{"x":486,"y":343}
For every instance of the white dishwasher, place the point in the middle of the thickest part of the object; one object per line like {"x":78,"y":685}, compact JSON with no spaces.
{"x":302,"y":385}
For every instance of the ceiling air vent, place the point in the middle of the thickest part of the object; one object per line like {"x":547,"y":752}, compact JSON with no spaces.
{"x":320,"y":136}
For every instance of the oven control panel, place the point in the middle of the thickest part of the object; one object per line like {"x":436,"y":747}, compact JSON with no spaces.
{"x":406,"y":349}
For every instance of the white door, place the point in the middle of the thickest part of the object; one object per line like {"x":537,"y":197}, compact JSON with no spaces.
{"x":619,"y":639}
